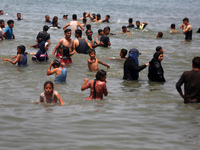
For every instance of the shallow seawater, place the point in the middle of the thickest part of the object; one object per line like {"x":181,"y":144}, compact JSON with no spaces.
{"x":135,"y":115}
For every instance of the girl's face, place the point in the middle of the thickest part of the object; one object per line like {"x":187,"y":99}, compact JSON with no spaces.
{"x":48,"y":89}
{"x":18,"y":51}
{"x":103,"y":79}
{"x":160,"y":57}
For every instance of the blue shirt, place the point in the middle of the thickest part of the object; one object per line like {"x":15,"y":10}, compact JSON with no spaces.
{"x":62,"y":77}
{"x":9,"y":32}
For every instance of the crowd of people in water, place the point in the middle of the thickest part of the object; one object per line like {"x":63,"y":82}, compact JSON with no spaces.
{"x":67,"y":47}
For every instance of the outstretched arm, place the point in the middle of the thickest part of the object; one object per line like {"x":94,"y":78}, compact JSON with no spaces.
{"x":13,"y":62}
{"x":59,"y":98}
{"x":100,"y":62}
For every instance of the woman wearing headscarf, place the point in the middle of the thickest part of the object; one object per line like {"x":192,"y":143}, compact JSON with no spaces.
{"x":156,"y":72}
{"x":131,"y":65}
{"x":42,"y":55}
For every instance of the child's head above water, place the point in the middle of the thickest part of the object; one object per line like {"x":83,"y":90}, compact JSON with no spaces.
{"x":92,"y":54}
{"x":123,"y":53}
{"x":159,"y":48}
{"x":48,"y":87}
{"x":56,"y":63}
{"x":21,"y":49}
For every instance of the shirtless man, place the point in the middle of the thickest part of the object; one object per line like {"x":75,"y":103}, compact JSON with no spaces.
{"x":93,"y":62}
{"x":187,"y":29}
{"x":74,"y":24}
{"x":66,"y":41}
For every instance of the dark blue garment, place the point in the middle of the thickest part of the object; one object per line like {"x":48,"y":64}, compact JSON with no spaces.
{"x":41,"y":55}
{"x":24,"y":60}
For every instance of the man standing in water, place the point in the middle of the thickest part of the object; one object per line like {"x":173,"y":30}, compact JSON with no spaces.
{"x":191,"y":81}
{"x":67,"y":42}
{"x":187,"y":29}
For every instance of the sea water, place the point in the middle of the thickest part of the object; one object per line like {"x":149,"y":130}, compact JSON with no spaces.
{"x":137,"y":115}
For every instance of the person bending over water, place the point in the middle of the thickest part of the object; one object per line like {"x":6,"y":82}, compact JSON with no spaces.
{"x":93,"y":62}
{"x":156,"y":72}
{"x":191,"y":81}
{"x":42,"y":55}
{"x":21,"y":57}
{"x":131,"y":65}
{"x":97,"y":86}
{"x":59,"y":70}
{"x":49,"y":95}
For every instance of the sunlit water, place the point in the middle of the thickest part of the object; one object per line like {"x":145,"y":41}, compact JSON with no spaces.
{"x":135,"y":115}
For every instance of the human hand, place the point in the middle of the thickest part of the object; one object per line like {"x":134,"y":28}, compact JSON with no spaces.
{"x":4,"y":59}
{"x":147,"y":64}
{"x":86,"y":80}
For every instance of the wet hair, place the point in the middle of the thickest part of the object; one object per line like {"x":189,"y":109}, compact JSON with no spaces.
{"x":59,"y":47}
{"x":56,"y":62}
{"x":48,"y":82}
{"x":160,"y":34}
{"x":46,"y":16}
{"x":22,"y":48}
{"x":173,"y":25}
{"x":1,"y":21}
{"x":186,"y":19}
{"x":93,"y":16}
{"x":65,"y":52}
{"x":124,"y":52}
{"x":158,"y":48}
{"x":124,"y":27}
{"x":88,"y":30}
{"x":130,"y":20}
{"x":74,"y":16}
{"x":55,"y":18}
{"x":84,"y":20}
{"x":108,"y":16}
{"x":67,"y":30}
{"x":98,"y":16}
{"x":196,"y":62}
{"x":88,"y":26}
{"x":91,"y":51}
{"x":99,"y":75}
{"x":84,"y":14}
{"x":10,"y":21}
{"x":137,"y":21}
{"x":99,"y":31}
{"x":46,"y":28}
{"x":106,"y":28}
{"x":18,"y":13}
{"x":79,"y":32}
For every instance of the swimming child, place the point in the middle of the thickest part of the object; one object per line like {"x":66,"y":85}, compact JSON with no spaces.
{"x":124,"y":30}
{"x":100,"y":33}
{"x":49,"y":96}
{"x":8,"y":33}
{"x":38,"y":44}
{"x":21,"y":57}
{"x":42,"y":55}
{"x":97,"y":86}
{"x":159,"y":35}
{"x":93,"y":62}
{"x":59,"y":70}
{"x":140,"y":26}
{"x":122,"y":54}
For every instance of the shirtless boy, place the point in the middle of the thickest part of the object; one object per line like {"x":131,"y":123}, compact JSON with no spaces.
{"x":66,"y":41}
{"x":93,"y":62}
{"x":187,"y":29}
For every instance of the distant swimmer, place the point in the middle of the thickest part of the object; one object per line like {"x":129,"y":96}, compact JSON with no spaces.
{"x":97,"y":86}
{"x":130,"y":23}
{"x":107,"y":18}
{"x":191,"y":82}
{"x":187,"y":29}
{"x":21,"y":57}
{"x":47,"y":19}
{"x":159,"y":48}
{"x":1,"y":12}
{"x":8,"y":33}
{"x":122,"y":54}
{"x":55,"y":23}
{"x":65,"y":17}
{"x":125,"y":31}
{"x":49,"y":95}
{"x":19,"y":16}
{"x":2,"y":25}
{"x":74,"y":24}
{"x":140,"y":26}
{"x":98,"y":18}
{"x":159,"y":35}
{"x":100,"y":33}
{"x":173,"y":29}
{"x":84,"y":22}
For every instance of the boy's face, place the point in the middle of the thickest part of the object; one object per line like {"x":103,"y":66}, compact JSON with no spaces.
{"x":18,"y":15}
{"x":89,"y":33}
{"x":68,"y":34}
{"x":106,"y":31}
{"x":92,"y":55}
{"x":124,"y":30}
{"x":11,"y":25}
{"x":137,"y":23}
{"x":2,"y":25}
{"x":18,"y":51}
{"x":101,"y":33}
{"x":47,"y":17}
{"x":121,"y":54}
